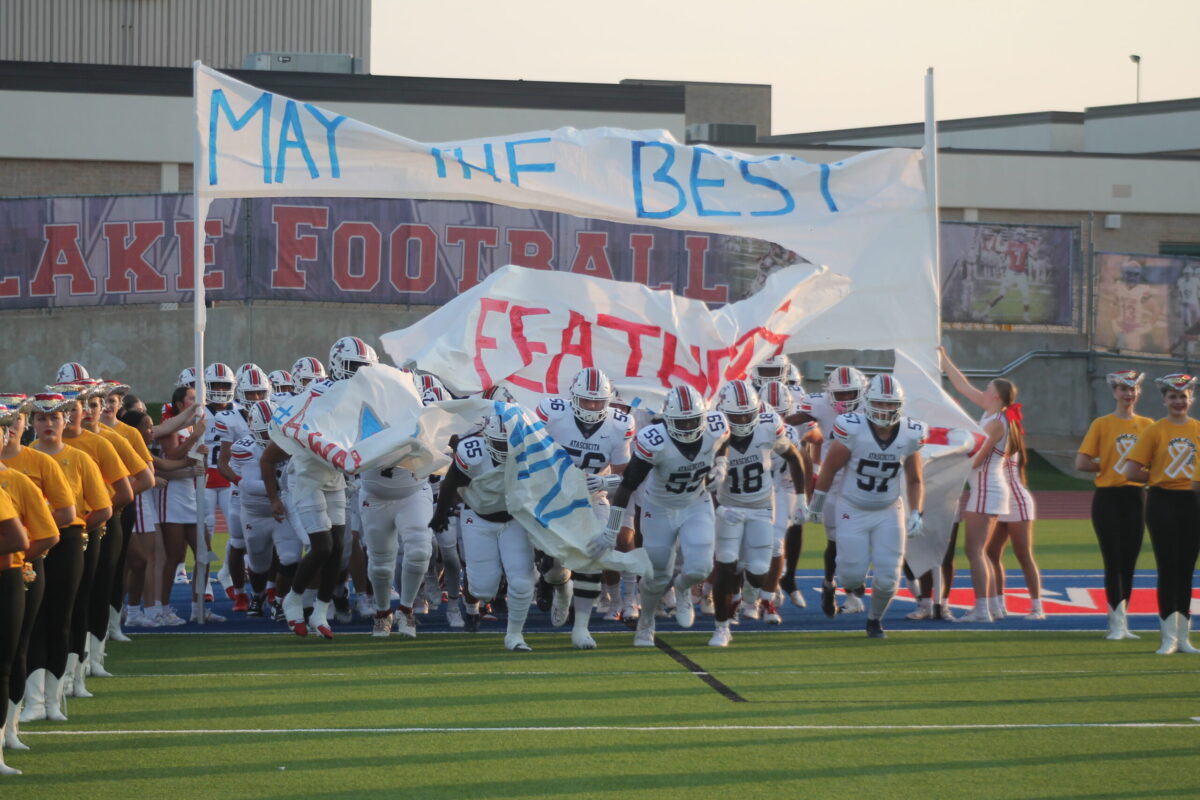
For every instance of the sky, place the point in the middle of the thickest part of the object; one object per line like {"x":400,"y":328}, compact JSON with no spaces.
{"x":831,"y":65}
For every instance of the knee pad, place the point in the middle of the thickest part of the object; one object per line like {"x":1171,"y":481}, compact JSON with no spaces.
{"x":884,"y":583}
{"x":520,"y":587}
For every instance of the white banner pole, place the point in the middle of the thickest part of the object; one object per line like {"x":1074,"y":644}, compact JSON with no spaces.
{"x":199,"y":319}
{"x":931,"y":184}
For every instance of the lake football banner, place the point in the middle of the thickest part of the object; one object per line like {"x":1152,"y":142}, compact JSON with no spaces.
{"x":121,"y":250}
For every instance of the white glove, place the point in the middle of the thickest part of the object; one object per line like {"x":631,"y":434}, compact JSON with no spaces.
{"x":800,"y":511}
{"x":602,"y":543}
{"x":816,"y":508}
{"x":602,"y":483}
{"x":732,"y":516}
{"x":916,"y":525}
{"x":606,"y":540}
{"x":716,"y":475}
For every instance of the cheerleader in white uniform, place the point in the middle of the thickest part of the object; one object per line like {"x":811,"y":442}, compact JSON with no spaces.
{"x":990,"y":496}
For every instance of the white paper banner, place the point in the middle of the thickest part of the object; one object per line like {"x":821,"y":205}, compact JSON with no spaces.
{"x":533,"y":330}
{"x":866,"y":216}
{"x":374,"y":420}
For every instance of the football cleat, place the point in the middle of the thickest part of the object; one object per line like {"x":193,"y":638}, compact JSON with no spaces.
{"x":644,"y":636}
{"x":454,"y":614}
{"x":722,"y":636}
{"x":921,"y":612}
{"x":406,"y":625}
{"x":875,"y":629}
{"x":853,"y":604}
{"x":771,"y":613}
{"x":943,"y":611}
{"x":828,"y":607}
{"x":975,"y":615}
{"x":560,"y":607}
{"x":707,"y":606}
{"x":797,"y":598}
{"x":342,"y":614}
{"x":582,"y":640}
{"x":543,"y":595}
{"x":382,"y":626}
{"x":685,"y":612}
{"x":277,"y":613}
{"x":293,"y":611}
{"x":751,"y":611}
{"x":241,"y":602}
{"x":515,"y":643}
{"x":630,"y":611}
{"x":255,"y":608}
{"x":470,"y":622}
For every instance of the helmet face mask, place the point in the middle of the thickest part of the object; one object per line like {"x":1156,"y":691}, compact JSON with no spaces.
{"x":591,"y":393}
{"x":261,"y":414}
{"x":306,"y":370}
{"x":282,"y":382}
{"x":778,"y":397}
{"x":884,"y":401}
{"x":495,"y":438}
{"x":348,"y":355}
{"x":683,"y":413}
{"x":219,"y":383}
{"x":740,"y":405}
{"x":774,"y":368}
{"x":845,"y":387}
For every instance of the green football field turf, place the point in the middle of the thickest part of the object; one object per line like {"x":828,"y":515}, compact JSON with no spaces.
{"x":952,"y":714}
{"x":935,"y":714}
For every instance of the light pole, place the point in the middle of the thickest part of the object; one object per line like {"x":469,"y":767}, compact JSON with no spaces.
{"x":1137,"y":61}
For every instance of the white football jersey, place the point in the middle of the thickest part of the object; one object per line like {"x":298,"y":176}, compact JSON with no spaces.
{"x":244,"y":457}
{"x":593,"y":447}
{"x":748,"y":481}
{"x":819,"y":407}
{"x":874,"y":475}
{"x":229,"y":426}
{"x":677,"y":480}
{"x":472,"y":457}
{"x":781,"y":474}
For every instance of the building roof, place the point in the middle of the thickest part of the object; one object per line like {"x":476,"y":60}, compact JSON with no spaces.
{"x":35,"y":76}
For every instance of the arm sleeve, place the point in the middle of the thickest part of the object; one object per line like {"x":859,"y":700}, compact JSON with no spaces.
{"x":1091,"y":440}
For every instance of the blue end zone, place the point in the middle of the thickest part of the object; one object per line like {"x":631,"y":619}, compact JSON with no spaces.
{"x":1074,"y":601}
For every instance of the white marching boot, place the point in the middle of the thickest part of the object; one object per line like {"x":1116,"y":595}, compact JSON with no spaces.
{"x":96,"y":653}
{"x":115,"y":634}
{"x":35,"y":696}
{"x":78,"y":687}
{"x":1183,"y":628}
{"x":5,"y":769}
{"x":11,"y":728}
{"x":56,"y":703}
{"x":1170,"y":635}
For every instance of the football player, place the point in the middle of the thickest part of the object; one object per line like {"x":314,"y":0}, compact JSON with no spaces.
{"x":258,"y":526}
{"x":597,"y":439}
{"x":879,"y":451}
{"x":318,"y":494}
{"x":791,"y":504}
{"x":306,"y":370}
{"x":670,"y":462}
{"x":493,"y":542}
{"x":232,"y":425}
{"x":395,"y":507}
{"x":843,"y":394}
{"x":282,"y":382}
{"x":745,"y":529}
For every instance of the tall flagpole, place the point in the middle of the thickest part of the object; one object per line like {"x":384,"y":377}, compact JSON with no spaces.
{"x":931,"y":187}
{"x":199,"y":320}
